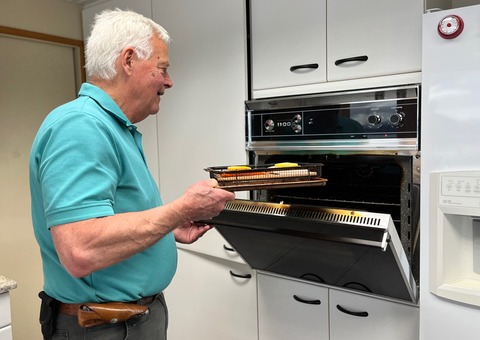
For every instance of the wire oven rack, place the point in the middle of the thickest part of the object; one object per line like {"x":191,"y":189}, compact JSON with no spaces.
{"x":267,"y":176}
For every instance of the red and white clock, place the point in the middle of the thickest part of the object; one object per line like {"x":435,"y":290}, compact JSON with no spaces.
{"x":450,"y":27}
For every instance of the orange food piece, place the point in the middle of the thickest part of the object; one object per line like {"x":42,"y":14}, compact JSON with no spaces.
{"x":243,"y":174}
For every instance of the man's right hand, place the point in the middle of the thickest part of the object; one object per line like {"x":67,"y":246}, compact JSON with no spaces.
{"x":204,"y":200}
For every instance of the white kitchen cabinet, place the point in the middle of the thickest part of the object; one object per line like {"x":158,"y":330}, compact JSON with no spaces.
{"x":202,"y":117}
{"x":6,"y":333}
{"x":290,"y":309}
{"x":340,"y":315}
{"x":5,"y":317}
{"x":207,"y":302}
{"x":288,"y":34}
{"x":385,"y":320}
{"x":388,"y":33}
{"x":382,"y":37}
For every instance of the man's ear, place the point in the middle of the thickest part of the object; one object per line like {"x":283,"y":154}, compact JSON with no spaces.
{"x":127,"y":59}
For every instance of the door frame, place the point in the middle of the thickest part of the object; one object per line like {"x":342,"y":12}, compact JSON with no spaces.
{"x":77,"y":45}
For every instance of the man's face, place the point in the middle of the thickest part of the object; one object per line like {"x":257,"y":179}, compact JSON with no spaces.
{"x":150,"y":80}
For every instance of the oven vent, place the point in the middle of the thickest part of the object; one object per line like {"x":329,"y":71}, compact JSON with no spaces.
{"x":311,"y":213}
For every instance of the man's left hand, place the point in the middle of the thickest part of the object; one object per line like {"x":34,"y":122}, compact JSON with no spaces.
{"x":190,"y":232}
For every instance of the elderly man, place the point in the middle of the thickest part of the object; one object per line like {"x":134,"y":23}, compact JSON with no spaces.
{"x":107,"y":242}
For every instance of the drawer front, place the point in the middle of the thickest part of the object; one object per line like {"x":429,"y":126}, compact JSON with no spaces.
{"x":5,"y":314}
{"x":290,"y":309}
{"x":216,"y":304}
{"x":385,"y":319}
{"x":6,"y":333}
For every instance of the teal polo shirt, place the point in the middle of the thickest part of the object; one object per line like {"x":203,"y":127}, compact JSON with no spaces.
{"x":86,"y":162}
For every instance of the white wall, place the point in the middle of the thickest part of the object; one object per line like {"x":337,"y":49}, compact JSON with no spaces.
{"x":54,"y":17}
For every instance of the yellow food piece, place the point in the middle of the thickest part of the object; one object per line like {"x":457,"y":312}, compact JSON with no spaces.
{"x":239,"y":168}
{"x":286,"y":165}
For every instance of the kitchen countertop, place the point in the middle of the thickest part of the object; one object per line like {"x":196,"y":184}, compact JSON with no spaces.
{"x":6,"y":285}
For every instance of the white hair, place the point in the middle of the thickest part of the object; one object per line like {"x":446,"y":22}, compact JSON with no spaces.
{"x":113,"y":31}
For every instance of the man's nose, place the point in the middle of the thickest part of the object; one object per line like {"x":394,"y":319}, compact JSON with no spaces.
{"x":167,"y":81}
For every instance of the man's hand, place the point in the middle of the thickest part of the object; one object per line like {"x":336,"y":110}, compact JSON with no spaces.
{"x":190,"y":232}
{"x":202,"y":201}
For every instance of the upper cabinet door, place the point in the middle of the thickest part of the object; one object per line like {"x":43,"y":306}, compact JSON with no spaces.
{"x":288,"y":41}
{"x":388,"y":33}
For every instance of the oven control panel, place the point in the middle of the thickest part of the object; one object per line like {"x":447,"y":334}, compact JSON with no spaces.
{"x":368,"y":119}
{"x":390,"y":119}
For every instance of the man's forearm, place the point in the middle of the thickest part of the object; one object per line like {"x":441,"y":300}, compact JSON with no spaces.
{"x":87,"y":246}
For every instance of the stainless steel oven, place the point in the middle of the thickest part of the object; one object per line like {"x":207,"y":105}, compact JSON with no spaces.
{"x":360,"y":231}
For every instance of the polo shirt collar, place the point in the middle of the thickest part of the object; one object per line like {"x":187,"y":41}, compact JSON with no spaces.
{"x":106,"y":102}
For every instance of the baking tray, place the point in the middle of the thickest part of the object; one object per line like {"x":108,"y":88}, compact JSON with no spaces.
{"x":267,"y":176}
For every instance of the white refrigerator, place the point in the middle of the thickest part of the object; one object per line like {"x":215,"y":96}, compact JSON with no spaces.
{"x":450,"y":175}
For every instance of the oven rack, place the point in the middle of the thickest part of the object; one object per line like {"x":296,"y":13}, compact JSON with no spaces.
{"x":267,"y":176}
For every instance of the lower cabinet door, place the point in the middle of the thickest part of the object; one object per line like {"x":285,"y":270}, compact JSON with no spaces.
{"x":359,"y":317}
{"x":211,"y":298}
{"x":6,"y":333}
{"x":289,"y":309}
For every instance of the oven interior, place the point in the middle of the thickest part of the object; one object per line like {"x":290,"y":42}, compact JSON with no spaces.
{"x":362,"y":182}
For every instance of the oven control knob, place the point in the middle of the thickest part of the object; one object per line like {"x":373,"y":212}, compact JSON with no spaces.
{"x":297,"y":118}
{"x":297,"y":128}
{"x":396,"y":119}
{"x":374,"y":120}
{"x":269,"y":125}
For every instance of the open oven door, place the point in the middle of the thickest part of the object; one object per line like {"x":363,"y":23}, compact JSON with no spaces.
{"x":354,"y":250}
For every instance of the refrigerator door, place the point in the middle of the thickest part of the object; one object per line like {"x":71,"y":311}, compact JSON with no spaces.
{"x":449,"y":142}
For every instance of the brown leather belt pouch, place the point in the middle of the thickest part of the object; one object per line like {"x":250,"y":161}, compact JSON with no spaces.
{"x":93,"y":314}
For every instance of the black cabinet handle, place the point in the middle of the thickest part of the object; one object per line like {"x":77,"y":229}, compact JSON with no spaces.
{"x":305,"y":276}
{"x":361,"y":314}
{"x":247,"y":276}
{"x":346,"y":60}
{"x":310,"y":302}
{"x":358,"y":283}
{"x":298,"y":67}
{"x":227,"y":248}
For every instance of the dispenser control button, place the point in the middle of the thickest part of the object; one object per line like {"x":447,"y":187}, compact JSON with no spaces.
{"x":374,"y":120}
{"x":269,"y":125}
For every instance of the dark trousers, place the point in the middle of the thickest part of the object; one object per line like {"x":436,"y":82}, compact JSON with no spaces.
{"x":152,"y":326}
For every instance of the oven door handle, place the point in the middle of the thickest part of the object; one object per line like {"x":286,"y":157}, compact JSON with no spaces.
{"x":346,"y":60}
{"x":310,"y":302}
{"x":360,"y":314}
{"x":298,"y":67}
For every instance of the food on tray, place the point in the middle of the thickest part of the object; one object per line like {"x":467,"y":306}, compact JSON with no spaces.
{"x":242,"y":167}
{"x":285,"y":165}
{"x":243,"y":174}
{"x":257,"y":177}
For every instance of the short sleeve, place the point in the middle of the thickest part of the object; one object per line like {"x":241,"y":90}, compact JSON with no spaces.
{"x":78,"y":169}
